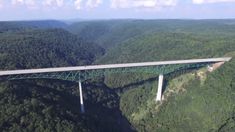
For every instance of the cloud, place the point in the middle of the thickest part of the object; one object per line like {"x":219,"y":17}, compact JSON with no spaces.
{"x":120,"y":3}
{"x":210,"y":1}
{"x":90,"y":4}
{"x":58,"y":3}
{"x":35,"y":4}
{"x":93,"y":3}
{"x":15,"y":2}
{"x":142,"y":3}
{"x":28,"y":3}
{"x":87,"y":4}
{"x":1,"y":4}
{"x":78,"y":4}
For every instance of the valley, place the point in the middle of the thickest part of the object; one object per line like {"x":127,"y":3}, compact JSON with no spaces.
{"x":194,"y":100}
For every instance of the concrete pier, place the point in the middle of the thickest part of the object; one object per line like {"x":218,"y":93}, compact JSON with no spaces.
{"x":81,"y":97}
{"x":159,"y":90}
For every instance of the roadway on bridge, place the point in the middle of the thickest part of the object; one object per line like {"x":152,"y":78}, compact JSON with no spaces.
{"x":111,"y":66}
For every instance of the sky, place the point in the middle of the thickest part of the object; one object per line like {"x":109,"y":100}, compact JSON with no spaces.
{"x":115,"y":9}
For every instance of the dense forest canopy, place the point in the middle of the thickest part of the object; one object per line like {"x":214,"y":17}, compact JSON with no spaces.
{"x":193,"y":100}
{"x":115,"y":32}
{"x":50,"y":105}
{"x":38,"y":48}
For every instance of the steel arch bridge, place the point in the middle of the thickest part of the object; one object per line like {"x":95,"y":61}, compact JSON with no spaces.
{"x":83,"y":73}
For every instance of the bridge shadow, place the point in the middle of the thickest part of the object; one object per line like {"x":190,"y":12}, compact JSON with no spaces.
{"x":167,"y":78}
{"x":175,"y":74}
{"x":130,"y":86}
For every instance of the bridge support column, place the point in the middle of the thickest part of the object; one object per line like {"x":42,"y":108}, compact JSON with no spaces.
{"x":159,"y":90}
{"x":81,"y":97}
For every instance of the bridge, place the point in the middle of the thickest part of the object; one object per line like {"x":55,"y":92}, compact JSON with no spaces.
{"x":83,"y":73}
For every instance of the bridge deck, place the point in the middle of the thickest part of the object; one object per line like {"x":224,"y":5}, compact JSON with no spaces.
{"x":110,"y":66}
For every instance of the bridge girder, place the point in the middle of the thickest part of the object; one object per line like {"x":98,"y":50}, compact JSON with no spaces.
{"x":75,"y":76}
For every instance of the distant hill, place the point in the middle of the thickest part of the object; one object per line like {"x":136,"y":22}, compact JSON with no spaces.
{"x":110,"y":33}
{"x":19,"y":25}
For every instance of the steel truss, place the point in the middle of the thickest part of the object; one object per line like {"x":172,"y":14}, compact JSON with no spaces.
{"x":89,"y":74}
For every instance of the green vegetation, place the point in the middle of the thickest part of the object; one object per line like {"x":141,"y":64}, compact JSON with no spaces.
{"x":193,"y":100}
{"x":188,"y":104}
{"x":44,"y":48}
{"x":30,"y":107}
{"x":111,"y":33}
{"x":191,"y":103}
{"x":53,"y":105}
{"x":24,"y":25}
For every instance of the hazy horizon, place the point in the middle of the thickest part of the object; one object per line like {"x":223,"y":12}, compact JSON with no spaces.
{"x":110,"y":19}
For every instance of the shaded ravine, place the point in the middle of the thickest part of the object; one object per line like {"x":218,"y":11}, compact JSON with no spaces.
{"x":94,"y":110}
{"x":123,"y":122}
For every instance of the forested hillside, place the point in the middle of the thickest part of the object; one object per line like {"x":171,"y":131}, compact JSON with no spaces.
{"x":38,"y":48}
{"x":114,"y":32}
{"x":50,"y":105}
{"x":193,"y":100}
{"x":170,"y":46}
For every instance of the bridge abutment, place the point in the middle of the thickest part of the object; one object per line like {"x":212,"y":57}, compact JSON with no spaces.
{"x":81,"y":97}
{"x":159,"y":90}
